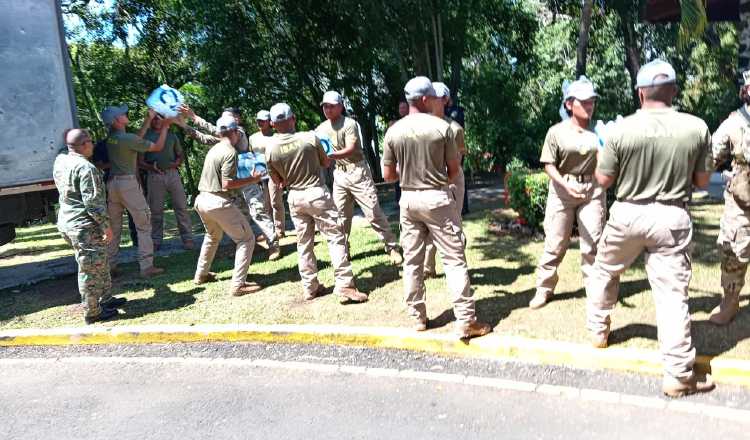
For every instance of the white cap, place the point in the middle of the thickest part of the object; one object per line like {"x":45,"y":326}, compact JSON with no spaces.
{"x":280,"y":112}
{"x":746,"y":77}
{"x":226,"y":122}
{"x":263,"y":115}
{"x":332,"y":97}
{"x":441,"y":90}
{"x":649,"y":71}
{"x":580,"y":89}
{"x":418,"y":87}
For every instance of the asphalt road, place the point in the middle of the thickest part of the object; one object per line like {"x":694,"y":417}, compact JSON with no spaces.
{"x":271,"y":391}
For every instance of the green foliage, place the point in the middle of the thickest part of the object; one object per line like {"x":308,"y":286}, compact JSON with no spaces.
{"x":527,"y":191}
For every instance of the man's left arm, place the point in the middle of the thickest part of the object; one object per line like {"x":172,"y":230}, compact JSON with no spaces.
{"x":704,"y":163}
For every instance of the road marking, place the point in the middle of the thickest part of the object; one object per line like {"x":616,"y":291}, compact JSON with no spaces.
{"x":587,"y":394}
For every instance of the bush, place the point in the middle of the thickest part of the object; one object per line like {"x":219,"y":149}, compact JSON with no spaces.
{"x":527,"y":193}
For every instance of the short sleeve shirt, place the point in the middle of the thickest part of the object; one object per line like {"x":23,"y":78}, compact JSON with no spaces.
{"x":123,"y":149}
{"x":220,"y":164}
{"x":571,"y":149}
{"x":259,"y":142}
{"x":654,"y":153}
{"x":296,"y":158}
{"x":165,"y":157}
{"x":458,"y":135}
{"x":421,"y":145}
{"x":341,"y":132}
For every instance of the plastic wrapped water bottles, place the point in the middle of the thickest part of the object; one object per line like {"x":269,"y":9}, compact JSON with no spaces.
{"x":249,"y":162}
{"x":604,"y":130}
{"x":326,"y":142}
{"x":165,"y":100}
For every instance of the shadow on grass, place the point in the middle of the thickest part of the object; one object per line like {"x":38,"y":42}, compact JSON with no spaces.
{"x":26,"y":302}
{"x":34,"y":250}
{"x":492,"y":276}
{"x":164,"y":299}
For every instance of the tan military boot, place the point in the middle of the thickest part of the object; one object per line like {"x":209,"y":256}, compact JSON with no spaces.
{"x":472,"y":329}
{"x":725,"y":312}
{"x":420,"y":324}
{"x":274,"y":253}
{"x":309,"y":296}
{"x":347,"y":294}
{"x":600,"y":340}
{"x":674,"y":387}
{"x":245,"y":289}
{"x":203,"y":279}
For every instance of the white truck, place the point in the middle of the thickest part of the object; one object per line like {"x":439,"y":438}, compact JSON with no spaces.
{"x":36,"y":107}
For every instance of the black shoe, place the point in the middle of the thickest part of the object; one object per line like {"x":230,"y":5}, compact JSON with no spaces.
{"x":106,"y":315}
{"x":113,"y":303}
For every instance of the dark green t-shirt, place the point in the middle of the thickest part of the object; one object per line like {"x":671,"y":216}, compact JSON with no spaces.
{"x":123,"y":149}
{"x":168,"y":154}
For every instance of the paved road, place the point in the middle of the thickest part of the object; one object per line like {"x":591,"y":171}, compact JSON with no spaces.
{"x":259,"y":391}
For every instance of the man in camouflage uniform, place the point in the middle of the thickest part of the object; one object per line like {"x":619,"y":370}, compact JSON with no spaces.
{"x":654,"y":157}
{"x":731,"y":141}
{"x":295,"y":160}
{"x":84,"y":224}
{"x":352,"y":179}
{"x":252,"y":193}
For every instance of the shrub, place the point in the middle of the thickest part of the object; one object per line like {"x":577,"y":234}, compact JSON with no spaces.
{"x":527,"y":194}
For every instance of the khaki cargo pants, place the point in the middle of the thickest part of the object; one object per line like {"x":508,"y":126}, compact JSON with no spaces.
{"x":353,"y":183}
{"x":159,"y":185}
{"x":124,"y":192}
{"x":433,"y":213}
{"x":663,"y":232}
{"x":254,"y":199}
{"x":274,"y":199}
{"x":220,"y":215}
{"x":313,"y":207}
{"x":561,"y":212}
{"x":456,"y":190}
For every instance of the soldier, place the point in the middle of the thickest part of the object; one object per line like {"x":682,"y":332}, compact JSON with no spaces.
{"x":654,"y":156}
{"x":123,"y":188}
{"x":731,"y":141}
{"x":456,"y":188}
{"x":352,"y":179}
{"x":569,"y":158}
{"x":294,"y":161}
{"x":252,"y":193}
{"x":274,"y":195}
{"x":164,"y":178}
{"x":83,"y":223}
{"x":219,"y":214}
{"x":424,"y":147}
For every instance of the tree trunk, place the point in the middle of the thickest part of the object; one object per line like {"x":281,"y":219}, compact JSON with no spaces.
{"x":583,"y":37}
{"x":743,"y":58}
{"x":632,"y":52}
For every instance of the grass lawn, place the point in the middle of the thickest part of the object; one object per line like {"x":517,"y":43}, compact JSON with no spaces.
{"x":502,"y":274}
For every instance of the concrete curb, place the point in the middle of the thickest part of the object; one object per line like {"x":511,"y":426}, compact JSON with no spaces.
{"x":729,"y":371}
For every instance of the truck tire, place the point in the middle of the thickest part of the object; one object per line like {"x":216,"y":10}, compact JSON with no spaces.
{"x":7,"y":233}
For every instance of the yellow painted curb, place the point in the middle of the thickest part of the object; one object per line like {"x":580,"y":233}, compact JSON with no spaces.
{"x":731,"y":371}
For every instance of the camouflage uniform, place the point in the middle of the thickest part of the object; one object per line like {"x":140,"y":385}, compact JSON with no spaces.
{"x":81,"y":221}
{"x":731,"y":141}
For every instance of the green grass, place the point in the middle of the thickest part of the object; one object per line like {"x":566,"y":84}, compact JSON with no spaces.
{"x":502,"y":272}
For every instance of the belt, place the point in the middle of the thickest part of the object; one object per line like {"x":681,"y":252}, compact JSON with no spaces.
{"x":349,"y":166}
{"x":442,"y":188}
{"x":678,"y":203}
{"x":580,"y":178}
{"x":123,"y":177}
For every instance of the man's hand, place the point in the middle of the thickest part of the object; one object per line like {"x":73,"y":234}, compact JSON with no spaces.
{"x":151,"y":114}
{"x":166,"y":122}
{"x":156,"y":168}
{"x":107,"y":235}
{"x":572,"y":192}
{"x":187,"y":111}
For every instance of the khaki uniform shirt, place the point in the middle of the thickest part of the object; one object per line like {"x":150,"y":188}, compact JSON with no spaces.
{"x":341,"y":132}
{"x":123,"y":149}
{"x":259,"y":142}
{"x":458,"y":136}
{"x":296,"y":159}
{"x":731,"y":141}
{"x":421,"y":145}
{"x":83,"y":201}
{"x":220,"y":164}
{"x":570,"y":148}
{"x":167,"y":156}
{"x":654,"y":154}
